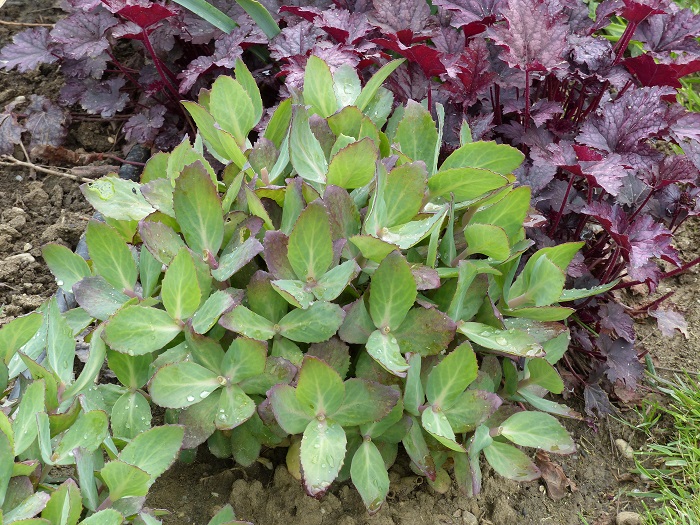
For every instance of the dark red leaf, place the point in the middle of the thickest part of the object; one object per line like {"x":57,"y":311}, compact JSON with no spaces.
{"x":636,"y":12}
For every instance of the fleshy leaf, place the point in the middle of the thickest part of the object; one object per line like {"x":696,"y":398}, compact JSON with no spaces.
{"x":322,"y":454}
{"x":392,"y":292}
{"x":365,"y":402}
{"x":384,"y":348}
{"x":183,"y":384}
{"x":510,"y":462}
{"x":138,"y":330}
{"x":198,"y":210}
{"x":451,"y":376}
{"x":369,"y":476}
{"x":310,"y":248}
{"x":320,"y":388}
{"x":316,"y":324}
{"x":539,"y":430}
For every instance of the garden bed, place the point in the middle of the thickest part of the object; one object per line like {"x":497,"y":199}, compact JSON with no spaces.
{"x":36,"y":208}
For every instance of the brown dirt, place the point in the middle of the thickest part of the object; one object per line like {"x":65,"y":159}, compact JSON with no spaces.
{"x":36,"y":209}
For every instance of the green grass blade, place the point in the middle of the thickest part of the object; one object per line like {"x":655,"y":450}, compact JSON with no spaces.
{"x":210,"y":13}
{"x":260,"y":16}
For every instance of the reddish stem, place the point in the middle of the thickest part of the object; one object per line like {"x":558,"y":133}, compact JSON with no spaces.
{"x":563,"y":205}
{"x":666,"y":275}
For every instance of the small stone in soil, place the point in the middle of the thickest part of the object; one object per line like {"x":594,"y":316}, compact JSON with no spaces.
{"x":628,"y":518}
{"x":625,"y":449}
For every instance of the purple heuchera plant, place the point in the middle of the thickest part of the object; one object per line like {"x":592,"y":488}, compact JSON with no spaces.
{"x":171,"y":53}
{"x":611,"y":158}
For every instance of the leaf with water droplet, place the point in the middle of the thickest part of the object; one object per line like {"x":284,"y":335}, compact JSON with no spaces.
{"x":331,"y":442}
{"x":369,"y":475}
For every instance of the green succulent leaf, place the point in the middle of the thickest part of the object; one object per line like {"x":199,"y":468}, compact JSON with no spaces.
{"x":500,"y":158}
{"x":413,"y":392}
{"x":68,"y":267}
{"x":139,"y":330}
{"x":110,"y":255}
{"x":180,"y":291}
{"x":465,"y":184}
{"x":131,"y":415}
{"x":488,"y":240}
{"x":510,"y":462}
{"x":353,"y":166}
{"x":370,"y":476}
{"x":155,"y":450}
{"x":183,"y":384}
{"x":332,"y":284}
{"x":232,"y":262}
{"x":232,"y":108}
{"x":243,"y":321}
{"x":310,"y":248}
{"x":426,"y":331}
{"x":384,"y":348}
{"x":471,"y":409}
{"x":316,"y":324}
{"x":214,"y":307}
{"x":117,"y":198}
{"x":289,"y":412}
{"x":244,"y":358}
{"x":510,"y":342}
{"x":538,"y":430}
{"x":60,"y":344}
{"x":435,"y":422}
{"x":17,"y":333}
{"x":124,"y":480}
{"x":104,"y":517}
{"x":88,"y":433}
{"x":234,"y":409}
{"x":305,"y":151}
{"x":392,"y":292}
{"x":417,"y":134}
{"x":24,"y":426}
{"x":65,"y":505}
{"x":371,"y":88}
{"x":7,"y":456}
{"x":198,"y":210}
{"x":449,"y":378}
{"x":132,"y":371}
{"x":545,"y":375}
{"x":365,"y":402}
{"x":320,"y":389}
{"x":318,"y":87}
{"x":417,"y":448}
{"x":322,"y":454}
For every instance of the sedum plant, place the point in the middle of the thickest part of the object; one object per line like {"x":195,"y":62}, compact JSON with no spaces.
{"x":337,"y":289}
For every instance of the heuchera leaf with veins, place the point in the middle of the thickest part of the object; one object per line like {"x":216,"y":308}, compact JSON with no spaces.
{"x":46,"y":122}
{"x":143,"y":127}
{"x":669,"y":321}
{"x":104,"y":97}
{"x":10,"y":132}
{"x":28,"y":49}
{"x":535,"y":38}
{"x":84,"y":34}
{"x":622,"y":361}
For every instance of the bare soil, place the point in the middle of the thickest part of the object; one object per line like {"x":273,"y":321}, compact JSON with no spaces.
{"x":36,"y":209}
